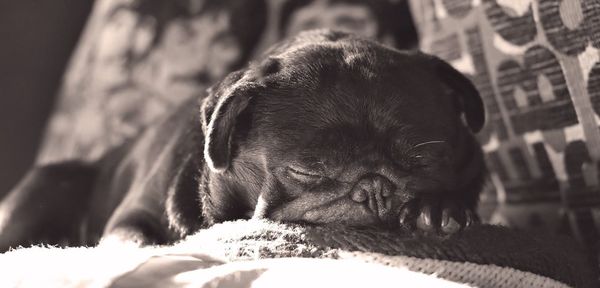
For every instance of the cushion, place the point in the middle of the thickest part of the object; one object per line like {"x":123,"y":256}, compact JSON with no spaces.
{"x":536,"y":66}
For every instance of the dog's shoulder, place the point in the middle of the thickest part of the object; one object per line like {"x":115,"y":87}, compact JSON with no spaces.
{"x":154,"y":176}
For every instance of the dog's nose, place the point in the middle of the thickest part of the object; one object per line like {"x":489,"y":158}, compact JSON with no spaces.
{"x":374,"y":190}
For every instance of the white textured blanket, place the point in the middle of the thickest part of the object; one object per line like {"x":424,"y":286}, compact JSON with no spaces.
{"x":266,"y":254}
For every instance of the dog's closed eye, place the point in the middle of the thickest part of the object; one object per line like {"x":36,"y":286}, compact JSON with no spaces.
{"x":305,"y":175}
{"x":422,"y":155}
{"x":425,"y":161}
{"x":427,"y":155}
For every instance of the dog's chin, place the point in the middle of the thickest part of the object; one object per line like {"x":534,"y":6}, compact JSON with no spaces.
{"x":321,"y":219}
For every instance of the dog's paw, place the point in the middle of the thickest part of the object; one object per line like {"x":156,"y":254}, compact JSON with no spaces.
{"x":123,"y":237}
{"x":436,"y":216}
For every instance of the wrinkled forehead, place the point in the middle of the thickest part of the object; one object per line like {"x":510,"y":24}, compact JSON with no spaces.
{"x":362,"y":72}
{"x":359,"y":93}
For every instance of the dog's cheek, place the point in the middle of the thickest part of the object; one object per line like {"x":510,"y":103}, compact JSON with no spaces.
{"x":419,"y":185}
{"x":346,"y":212}
{"x":223,"y":203}
{"x":288,"y":189}
{"x":311,"y":209}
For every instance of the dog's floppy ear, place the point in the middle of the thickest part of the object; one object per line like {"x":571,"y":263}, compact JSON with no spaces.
{"x":226,"y":100}
{"x":467,"y":96}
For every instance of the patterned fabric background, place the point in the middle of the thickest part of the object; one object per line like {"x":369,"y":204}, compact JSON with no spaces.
{"x":536,"y":64}
{"x":137,"y":59}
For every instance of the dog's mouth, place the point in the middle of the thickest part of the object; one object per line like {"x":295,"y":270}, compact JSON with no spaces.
{"x":371,"y":212}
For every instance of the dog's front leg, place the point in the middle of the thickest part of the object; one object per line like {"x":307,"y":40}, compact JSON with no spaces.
{"x":47,"y":206}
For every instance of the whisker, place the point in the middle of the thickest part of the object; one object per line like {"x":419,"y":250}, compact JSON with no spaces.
{"x":427,"y":143}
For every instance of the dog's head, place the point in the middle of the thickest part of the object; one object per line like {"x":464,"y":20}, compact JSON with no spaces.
{"x":334,"y":128}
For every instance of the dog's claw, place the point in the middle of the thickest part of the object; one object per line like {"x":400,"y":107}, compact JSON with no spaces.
{"x":424,"y":220}
{"x":471,"y":218}
{"x":428,"y":219}
{"x":452,"y":218}
{"x":449,"y":223}
{"x":445,"y":217}
{"x":403,"y":218}
{"x":407,"y":215}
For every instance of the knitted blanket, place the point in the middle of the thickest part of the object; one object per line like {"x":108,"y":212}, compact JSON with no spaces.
{"x":263,"y":253}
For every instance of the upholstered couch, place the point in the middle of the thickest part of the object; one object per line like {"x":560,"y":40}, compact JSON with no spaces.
{"x":534,"y":63}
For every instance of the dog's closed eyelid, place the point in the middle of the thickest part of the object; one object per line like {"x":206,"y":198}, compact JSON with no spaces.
{"x":420,"y":162}
{"x":309,"y":165}
{"x":304,"y":171}
{"x":304,"y":176}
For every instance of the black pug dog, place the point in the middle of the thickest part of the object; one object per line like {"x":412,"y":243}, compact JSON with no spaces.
{"x":326,"y":128}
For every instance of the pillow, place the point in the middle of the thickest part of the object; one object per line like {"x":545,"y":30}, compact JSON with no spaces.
{"x":536,"y":66}
{"x":137,"y":60}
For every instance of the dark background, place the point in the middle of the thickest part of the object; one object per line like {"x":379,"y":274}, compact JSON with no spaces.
{"x":36,"y":40}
